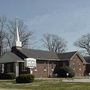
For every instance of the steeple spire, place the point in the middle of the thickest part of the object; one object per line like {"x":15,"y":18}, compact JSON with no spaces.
{"x":17,"y":34}
{"x":17,"y":41}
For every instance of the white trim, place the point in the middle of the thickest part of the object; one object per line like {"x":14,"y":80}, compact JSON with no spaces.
{"x":17,"y":69}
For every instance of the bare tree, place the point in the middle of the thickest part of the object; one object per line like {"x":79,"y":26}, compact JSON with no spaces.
{"x":24,"y":33}
{"x":84,"y":42}
{"x":54,"y":43}
{"x":2,"y":34}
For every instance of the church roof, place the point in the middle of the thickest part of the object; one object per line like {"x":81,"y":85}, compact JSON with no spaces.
{"x":18,"y":55}
{"x":87,"y":59}
{"x":39,"y":54}
{"x":46,"y":55}
{"x":10,"y":57}
{"x":66,"y":55}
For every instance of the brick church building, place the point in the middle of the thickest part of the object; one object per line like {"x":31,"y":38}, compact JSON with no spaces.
{"x":46,"y":62}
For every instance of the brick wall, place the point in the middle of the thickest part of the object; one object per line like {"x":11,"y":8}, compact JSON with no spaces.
{"x":77,"y":65}
{"x":44,"y":68}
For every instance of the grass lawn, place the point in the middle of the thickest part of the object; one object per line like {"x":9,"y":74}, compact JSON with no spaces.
{"x":43,"y":85}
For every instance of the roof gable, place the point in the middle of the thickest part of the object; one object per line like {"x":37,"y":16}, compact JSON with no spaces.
{"x":80,"y":56}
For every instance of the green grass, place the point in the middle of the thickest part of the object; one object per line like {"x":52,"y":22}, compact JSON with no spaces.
{"x":44,"y":85}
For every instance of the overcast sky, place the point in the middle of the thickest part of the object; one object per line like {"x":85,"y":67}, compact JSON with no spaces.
{"x":67,"y":18}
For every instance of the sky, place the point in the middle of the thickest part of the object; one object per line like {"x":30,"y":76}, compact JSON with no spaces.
{"x":68,"y":19}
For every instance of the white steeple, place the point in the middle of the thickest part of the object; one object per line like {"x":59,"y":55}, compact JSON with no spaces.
{"x":17,"y":34}
{"x":17,"y":41}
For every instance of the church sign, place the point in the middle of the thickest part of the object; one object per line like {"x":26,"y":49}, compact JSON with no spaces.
{"x":30,"y":62}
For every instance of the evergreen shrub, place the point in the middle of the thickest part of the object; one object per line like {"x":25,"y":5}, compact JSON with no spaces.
{"x":25,"y":78}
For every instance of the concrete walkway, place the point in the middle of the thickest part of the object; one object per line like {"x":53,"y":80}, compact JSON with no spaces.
{"x":66,"y":79}
{"x":76,"y":80}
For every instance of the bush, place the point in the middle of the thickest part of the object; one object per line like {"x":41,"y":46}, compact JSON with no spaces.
{"x":25,"y":78}
{"x":10,"y":75}
{"x":62,"y":72}
{"x":7,"y":76}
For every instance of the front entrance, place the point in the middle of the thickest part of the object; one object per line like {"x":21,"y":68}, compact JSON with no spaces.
{"x":23,"y":69}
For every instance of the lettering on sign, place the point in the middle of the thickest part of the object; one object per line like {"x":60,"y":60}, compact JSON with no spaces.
{"x":30,"y":62}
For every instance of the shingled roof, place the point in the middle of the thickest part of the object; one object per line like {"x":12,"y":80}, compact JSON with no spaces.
{"x":87,"y":59}
{"x":46,"y":55}
{"x":10,"y":57}
{"x":18,"y":55}
{"x":39,"y":54}
{"x":66,"y":55}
